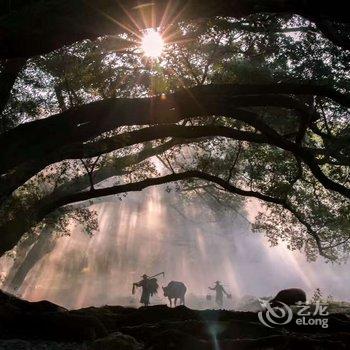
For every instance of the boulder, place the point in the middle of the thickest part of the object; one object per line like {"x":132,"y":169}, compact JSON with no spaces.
{"x":173,"y":339}
{"x":61,"y":327}
{"x":45,"y":320}
{"x":116,"y":341}
{"x":28,"y":306}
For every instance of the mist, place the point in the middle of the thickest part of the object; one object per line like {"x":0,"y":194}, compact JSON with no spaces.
{"x":152,"y":232}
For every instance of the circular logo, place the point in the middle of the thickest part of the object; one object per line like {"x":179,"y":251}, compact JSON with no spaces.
{"x":272,"y":317}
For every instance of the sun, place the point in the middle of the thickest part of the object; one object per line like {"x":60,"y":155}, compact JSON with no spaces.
{"x":152,"y":43}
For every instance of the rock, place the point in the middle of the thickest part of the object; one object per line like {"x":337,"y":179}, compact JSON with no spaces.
{"x":116,"y":341}
{"x":62,"y":327}
{"x":173,"y":339}
{"x":146,"y":331}
{"x":237,"y":329}
{"x":155,"y":314}
{"x":17,"y":344}
{"x":143,"y":332}
{"x":28,"y":306}
{"x":21,"y":318}
{"x":44,"y":325}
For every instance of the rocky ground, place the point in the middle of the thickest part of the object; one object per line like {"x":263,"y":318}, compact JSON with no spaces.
{"x":43,"y":325}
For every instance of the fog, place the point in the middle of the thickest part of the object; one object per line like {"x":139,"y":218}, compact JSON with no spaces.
{"x":152,"y":232}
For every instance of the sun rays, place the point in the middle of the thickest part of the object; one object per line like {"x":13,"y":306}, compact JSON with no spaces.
{"x":152,"y":43}
{"x":151,"y":35}
{"x":149,"y":30}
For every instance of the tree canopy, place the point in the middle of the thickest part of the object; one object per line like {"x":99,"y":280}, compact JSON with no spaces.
{"x":249,"y":99}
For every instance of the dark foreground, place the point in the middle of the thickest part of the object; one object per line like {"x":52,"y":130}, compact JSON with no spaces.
{"x":43,"y":325}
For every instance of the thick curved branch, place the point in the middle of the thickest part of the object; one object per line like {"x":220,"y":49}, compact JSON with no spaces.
{"x":25,"y":171}
{"x":35,"y":28}
{"x":12,"y":231}
{"x":327,"y":183}
{"x":116,"y":167}
{"x":89,"y":121}
{"x":153,"y":133}
{"x":268,"y":135}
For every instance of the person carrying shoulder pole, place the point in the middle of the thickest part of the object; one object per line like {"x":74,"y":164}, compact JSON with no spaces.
{"x":149,"y":287}
{"x":220,"y":291}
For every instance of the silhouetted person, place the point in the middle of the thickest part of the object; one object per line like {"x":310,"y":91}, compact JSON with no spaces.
{"x":144,"y":284}
{"x":219,"y":290}
{"x":149,"y":287}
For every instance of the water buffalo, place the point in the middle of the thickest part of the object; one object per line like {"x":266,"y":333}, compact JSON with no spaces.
{"x":289,"y":297}
{"x":175,"y":290}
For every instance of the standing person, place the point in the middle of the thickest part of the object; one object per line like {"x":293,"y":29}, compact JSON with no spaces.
{"x":149,"y":287}
{"x":219,"y":290}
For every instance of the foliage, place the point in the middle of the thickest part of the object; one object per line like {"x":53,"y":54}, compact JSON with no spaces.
{"x":259,"y":49}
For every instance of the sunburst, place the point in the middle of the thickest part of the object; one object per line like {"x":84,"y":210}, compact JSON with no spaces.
{"x":152,"y":43}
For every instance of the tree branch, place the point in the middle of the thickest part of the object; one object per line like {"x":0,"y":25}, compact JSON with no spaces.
{"x":25,"y":171}
{"x":84,"y":123}
{"x":36,"y":28}
{"x":268,"y":135}
{"x":12,"y":231}
{"x":116,"y":167}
